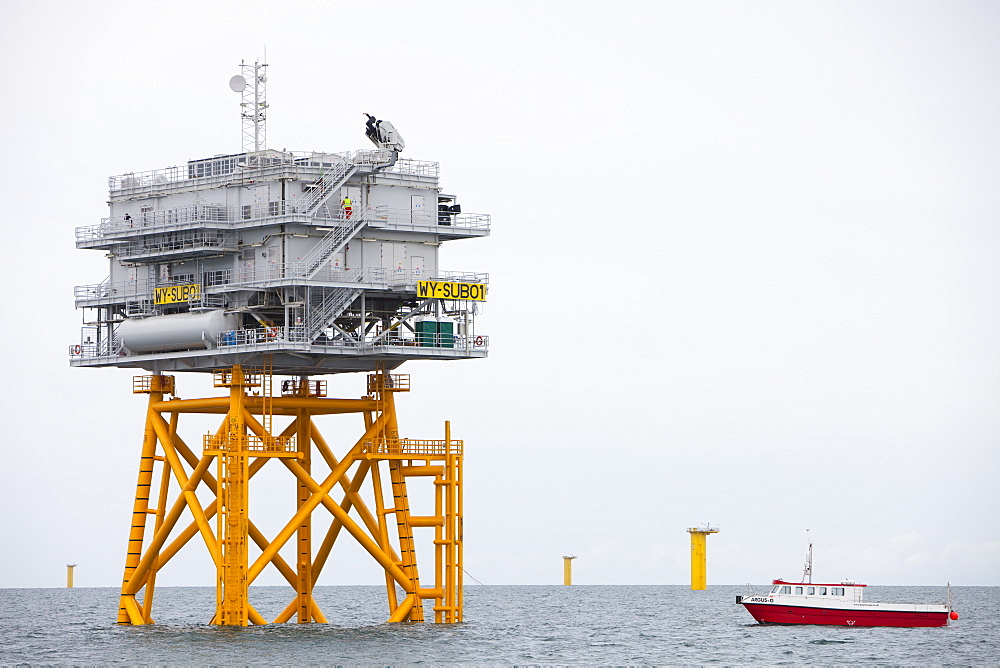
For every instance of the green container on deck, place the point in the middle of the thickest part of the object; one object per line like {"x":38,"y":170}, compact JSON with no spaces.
{"x":446,"y":334}
{"x":427,"y":333}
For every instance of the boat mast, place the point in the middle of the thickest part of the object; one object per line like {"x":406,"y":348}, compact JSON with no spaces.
{"x":807,"y":570}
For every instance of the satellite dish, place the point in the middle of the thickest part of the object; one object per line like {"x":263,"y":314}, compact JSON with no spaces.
{"x":237,"y":83}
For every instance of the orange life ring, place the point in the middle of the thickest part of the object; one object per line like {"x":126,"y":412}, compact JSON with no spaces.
{"x":272,"y":332}
{"x":77,"y":349}
{"x":479,"y":341}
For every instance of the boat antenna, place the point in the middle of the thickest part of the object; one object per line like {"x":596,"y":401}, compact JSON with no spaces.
{"x":807,"y":570}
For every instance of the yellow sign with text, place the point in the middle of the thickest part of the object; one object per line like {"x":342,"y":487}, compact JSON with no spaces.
{"x":451,"y":290}
{"x":176,"y":294}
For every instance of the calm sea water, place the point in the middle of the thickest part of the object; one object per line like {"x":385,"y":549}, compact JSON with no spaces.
{"x":594,"y":625}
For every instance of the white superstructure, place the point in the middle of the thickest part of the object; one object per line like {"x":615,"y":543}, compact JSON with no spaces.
{"x":325,"y":262}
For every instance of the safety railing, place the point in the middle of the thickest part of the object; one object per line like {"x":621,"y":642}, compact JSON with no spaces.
{"x":231,"y":217}
{"x":368,"y":159}
{"x":412,"y":446}
{"x":379,"y":276}
{"x":278,"y":271}
{"x":402,"y":278}
{"x":438,"y":341}
{"x":465,"y":221}
{"x":248,"y":166}
{"x":388,"y":382}
{"x":90,"y":349}
{"x":216,"y":216}
{"x":308,"y":388}
{"x":262,"y":335}
{"x":426,"y":219}
{"x":120,"y":290}
{"x":411,"y":167}
{"x":235,"y":340}
{"x":196,"y":171}
{"x":251,"y":444}
{"x":142,"y":289}
{"x":257,"y":275}
{"x":299,"y":334}
{"x":102,"y":289}
{"x":178,"y":242}
{"x":376,"y":276}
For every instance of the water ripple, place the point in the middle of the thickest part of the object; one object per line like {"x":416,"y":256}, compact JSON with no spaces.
{"x":579,"y":625}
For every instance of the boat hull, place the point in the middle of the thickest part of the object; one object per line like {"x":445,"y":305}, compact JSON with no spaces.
{"x":769,"y":613}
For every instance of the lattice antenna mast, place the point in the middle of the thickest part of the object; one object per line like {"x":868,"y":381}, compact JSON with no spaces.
{"x":252,"y":84}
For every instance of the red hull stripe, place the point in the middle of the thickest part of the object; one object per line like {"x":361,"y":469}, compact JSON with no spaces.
{"x":788,"y":614}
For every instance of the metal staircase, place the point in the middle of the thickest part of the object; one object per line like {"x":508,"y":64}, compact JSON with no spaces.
{"x":325,"y":305}
{"x":331,"y":180}
{"x":331,"y":244}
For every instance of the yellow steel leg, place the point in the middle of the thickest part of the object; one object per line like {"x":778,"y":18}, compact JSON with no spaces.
{"x":401,"y":504}
{"x":233,"y":529}
{"x":568,"y":570}
{"x":452,"y":484}
{"x":699,"y":566}
{"x":161,"y":509}
{"x":140,"y":507}
{"x":442,"y":573}
{"x":404,"y":531}
{"x":459,"y":526}
{"x":383,"y":531}
{"x":304,"y":538}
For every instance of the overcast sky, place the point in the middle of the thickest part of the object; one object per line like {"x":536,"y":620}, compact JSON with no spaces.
{"x":744,"y":270}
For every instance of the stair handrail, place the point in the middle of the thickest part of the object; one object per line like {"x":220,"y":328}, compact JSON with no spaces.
{"x":309,"y":265}
{"x":334,"y":303}
{"x":329,"y":181}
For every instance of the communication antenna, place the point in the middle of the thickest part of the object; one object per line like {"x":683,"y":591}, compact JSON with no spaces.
{"x":252,"y":84}
{"x":807,"y":569}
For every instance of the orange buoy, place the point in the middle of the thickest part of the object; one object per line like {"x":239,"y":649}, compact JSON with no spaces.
{"x":953,"y":615}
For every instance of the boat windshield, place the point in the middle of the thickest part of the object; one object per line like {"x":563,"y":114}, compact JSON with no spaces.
{"x":774,"y":589}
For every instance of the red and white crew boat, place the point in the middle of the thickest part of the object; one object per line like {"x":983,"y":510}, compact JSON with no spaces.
{"x":841,"y":604}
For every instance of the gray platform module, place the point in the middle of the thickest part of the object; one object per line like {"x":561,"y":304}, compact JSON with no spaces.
{"x":312,"y":262}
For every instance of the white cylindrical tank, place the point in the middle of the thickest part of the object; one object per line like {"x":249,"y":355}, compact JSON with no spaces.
{"x":179,"y":331}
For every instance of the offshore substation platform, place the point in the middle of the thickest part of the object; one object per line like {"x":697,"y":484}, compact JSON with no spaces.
{"x":268,"y":264}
